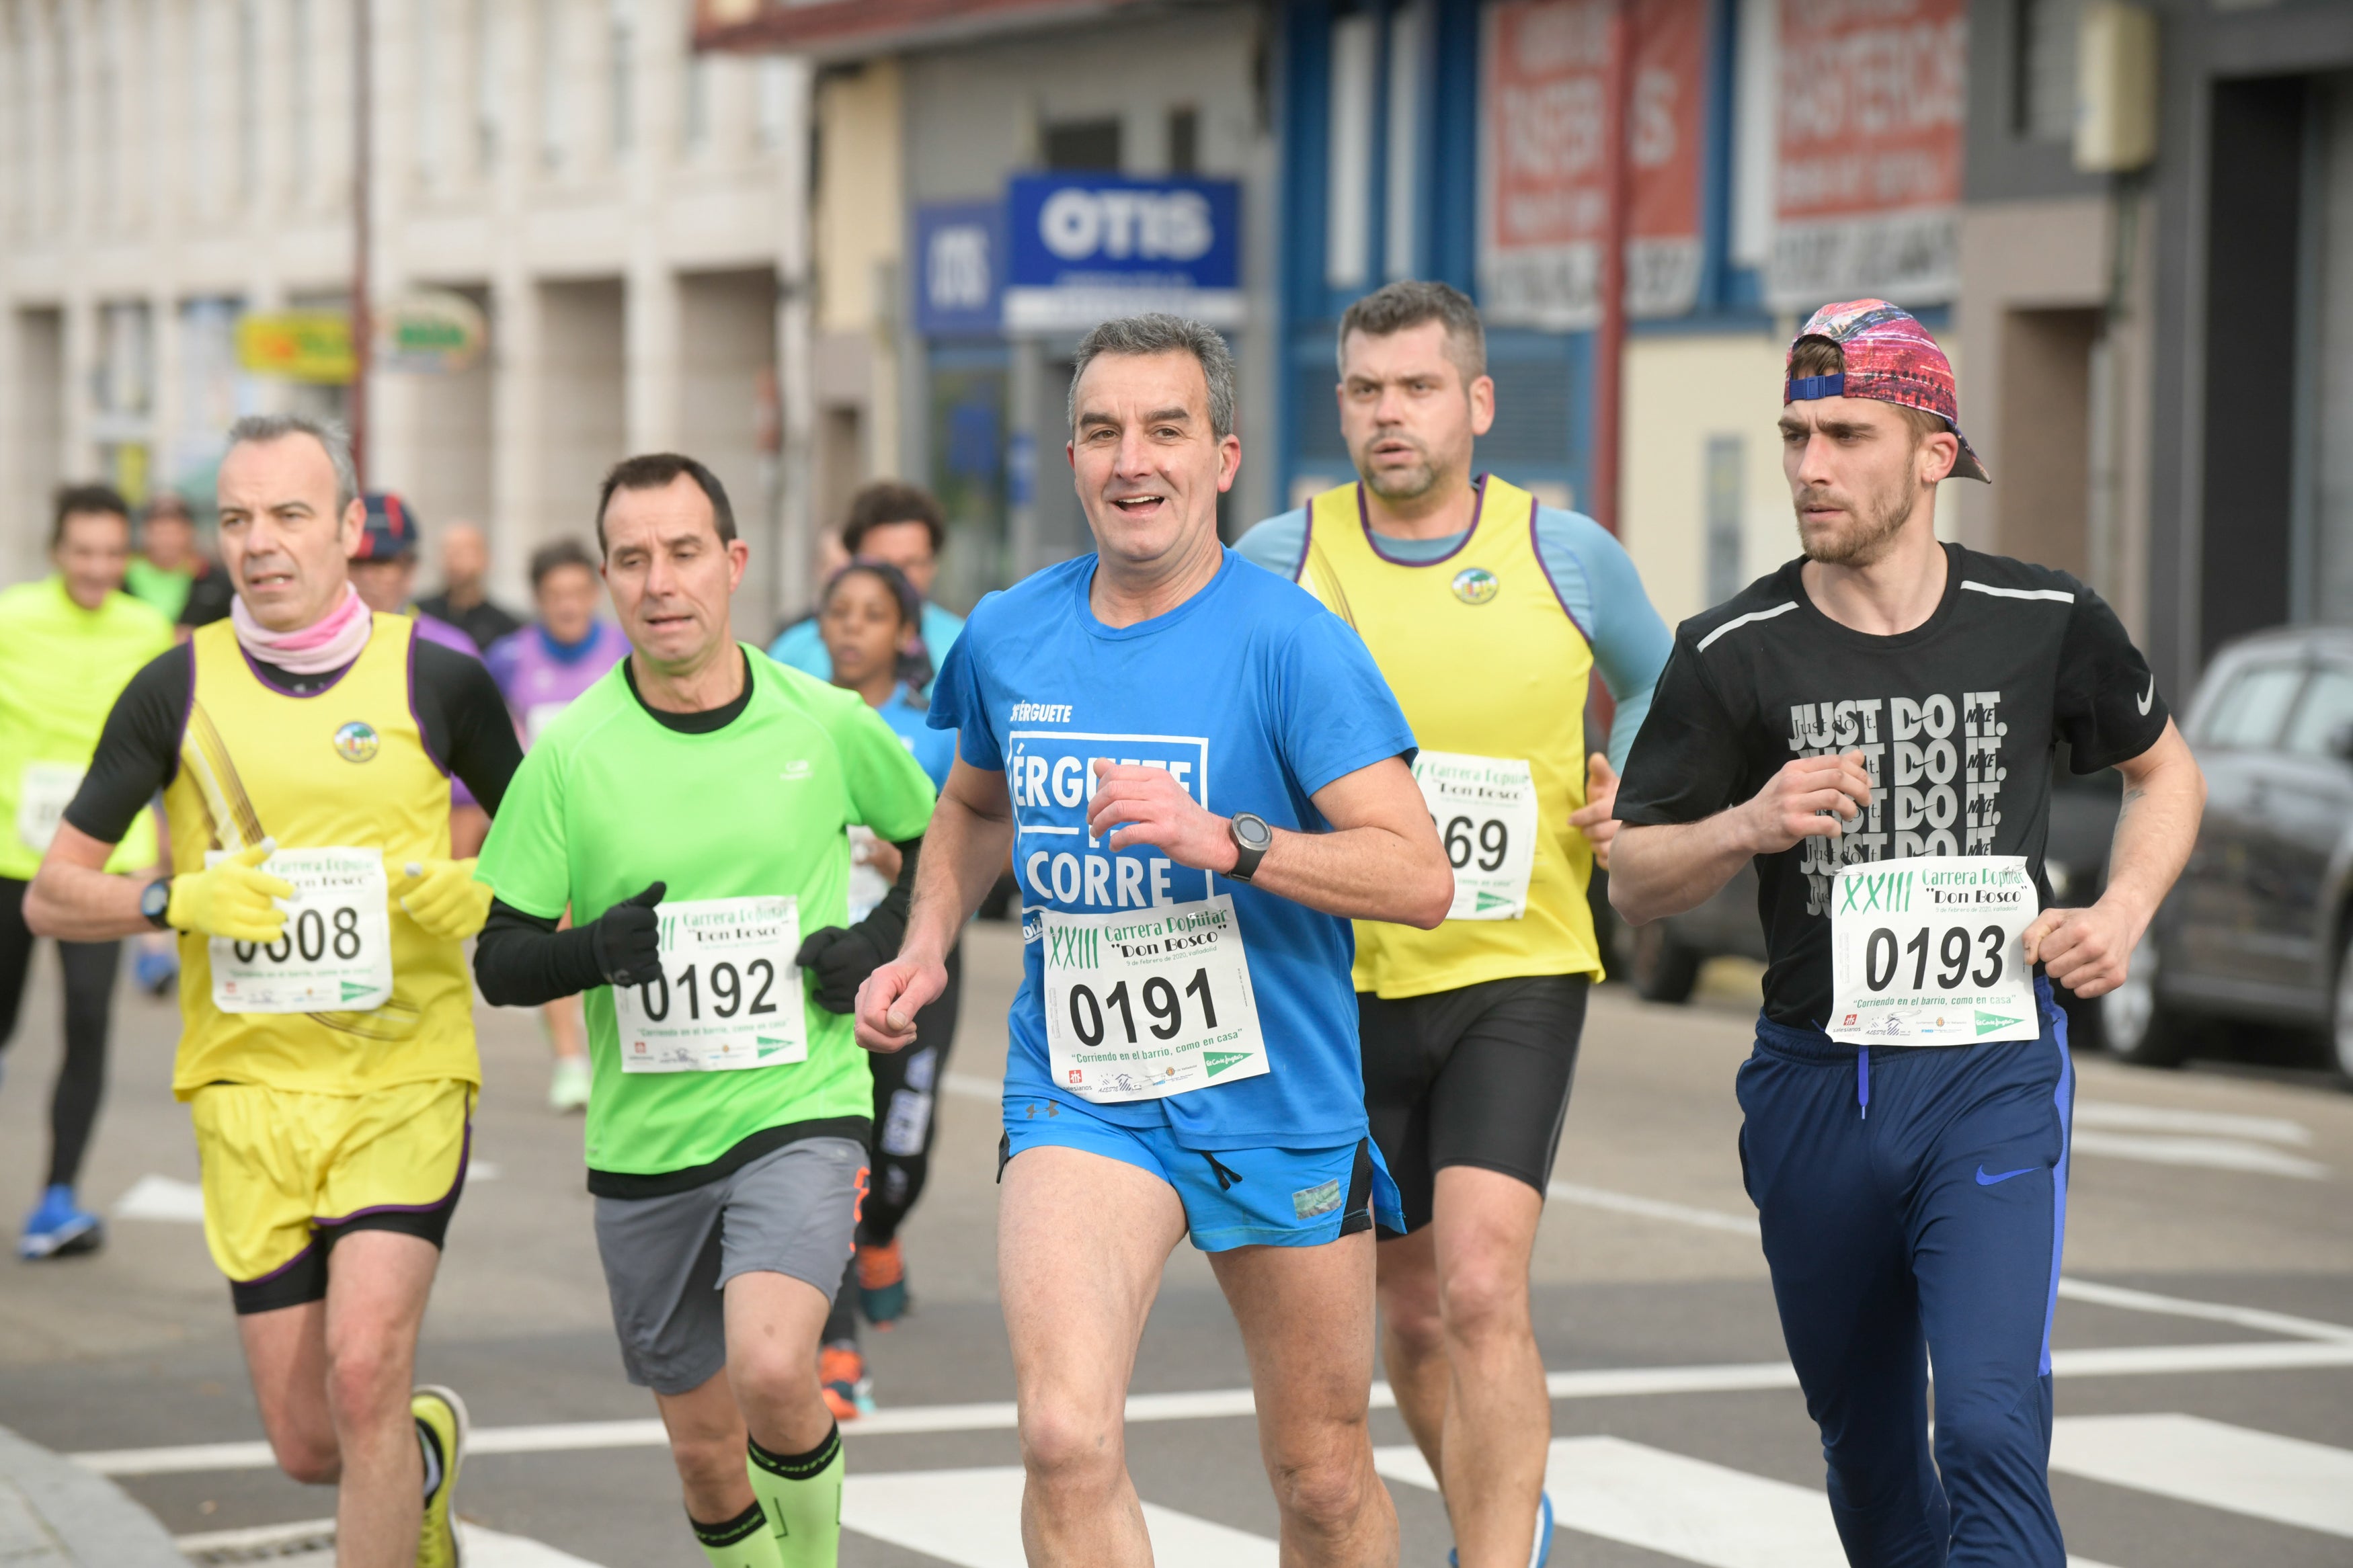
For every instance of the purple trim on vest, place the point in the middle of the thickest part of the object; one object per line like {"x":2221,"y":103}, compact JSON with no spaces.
{"x":254,"y":665}
{"x":1364,"y":516}
{"x":1536,"y":548}
{"x":464,"y":1159}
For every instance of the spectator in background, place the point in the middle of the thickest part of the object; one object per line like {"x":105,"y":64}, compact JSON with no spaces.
{"x":900,"y":525}
{"x":540,"y":669}
{"x":464,"y":600}
{"x":172,"y":572}
{"x":384,"y":573}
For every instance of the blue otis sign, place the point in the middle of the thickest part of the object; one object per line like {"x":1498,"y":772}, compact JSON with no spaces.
{"x":1083,"y":248}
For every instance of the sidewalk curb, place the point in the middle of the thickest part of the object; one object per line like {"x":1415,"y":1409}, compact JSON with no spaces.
{"x":95,"y":1520}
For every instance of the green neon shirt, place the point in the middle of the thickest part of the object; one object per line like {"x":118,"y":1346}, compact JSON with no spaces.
{"x":610,"y":799}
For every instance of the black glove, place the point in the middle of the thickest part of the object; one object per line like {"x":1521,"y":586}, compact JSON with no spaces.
{"x":838,"y":960}
{"x":627,"y":940}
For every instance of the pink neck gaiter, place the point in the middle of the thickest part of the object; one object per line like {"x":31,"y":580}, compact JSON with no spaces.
{"x":331,"y":642}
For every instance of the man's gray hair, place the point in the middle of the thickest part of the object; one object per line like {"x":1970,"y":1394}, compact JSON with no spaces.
{"x":1159,"y":334}
{"x":1410,"y":301}
{"x":328,"y":433}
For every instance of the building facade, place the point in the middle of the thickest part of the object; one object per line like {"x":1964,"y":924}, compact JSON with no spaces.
{"x":628,"y":217}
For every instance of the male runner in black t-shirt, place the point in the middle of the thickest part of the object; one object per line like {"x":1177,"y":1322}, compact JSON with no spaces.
{"x":1887,"y":698}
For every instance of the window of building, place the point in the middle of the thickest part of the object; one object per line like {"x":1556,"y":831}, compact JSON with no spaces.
{"x":1410,"y":28}
{"x":105,"y":107}
{"x":2045,"y":105}
{"x":695,"y":127}
{"x":302,"y":39}
{"x":66,"y":101}
{"x":620,"y":66}
{"x":426,"y":69}
{"x":1348,"y":177}
{"x":1082,"y":145}
{"x":248,"y":98}
{"x":775,"y":100}
{"x":552,"y":106}
{"x":1184,"y":140}
{"x":1727,"y":458}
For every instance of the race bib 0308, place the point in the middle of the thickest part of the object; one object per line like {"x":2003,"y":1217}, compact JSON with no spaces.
{"x":730,"y":995}
{"x":1485,"y":809}
{"x":1146,"y":1003}
{"x":1929,"y":952}
{"x":335,"y":953}
{"x":43,"y":790}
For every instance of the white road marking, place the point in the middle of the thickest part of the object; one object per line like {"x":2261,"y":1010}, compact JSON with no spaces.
{"x":973,"y":1518}
{"x":1653,"y":1208}
{"x":2116,"y":1115}
{"x":162,"y":1197}
{"x":971,"y":1087}
{"x":1611,"y":1382}
{"x":311,"y":1544}
{"x":2215,"y":1154}
{"x":1674,"y":1505}
{"x":2261,"y":1474}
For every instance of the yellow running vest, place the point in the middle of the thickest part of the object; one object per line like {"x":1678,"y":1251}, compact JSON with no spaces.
{"x":346,"y":767}
{"x":1484,"y":660}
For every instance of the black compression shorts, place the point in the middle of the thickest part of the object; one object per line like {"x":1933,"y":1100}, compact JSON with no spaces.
{"x":1475,"y":1077}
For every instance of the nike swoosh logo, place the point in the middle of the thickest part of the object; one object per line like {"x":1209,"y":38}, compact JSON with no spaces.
{"x":2148,"y":697}
{"x":1985,"y":1181}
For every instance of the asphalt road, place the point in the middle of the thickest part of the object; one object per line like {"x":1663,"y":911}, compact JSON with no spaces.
{"x":2205,"y":1340}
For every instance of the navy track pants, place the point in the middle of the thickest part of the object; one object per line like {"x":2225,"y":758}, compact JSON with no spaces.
{"x":1913,"y":1202}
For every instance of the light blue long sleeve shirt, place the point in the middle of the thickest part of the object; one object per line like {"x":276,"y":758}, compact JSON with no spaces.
{"x":1589,"y":570}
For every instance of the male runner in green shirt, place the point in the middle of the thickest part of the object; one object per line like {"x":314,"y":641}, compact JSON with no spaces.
{"x":690,"y":809}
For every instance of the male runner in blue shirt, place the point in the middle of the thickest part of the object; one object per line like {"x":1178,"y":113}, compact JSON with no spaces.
{"x":1201,"y":777}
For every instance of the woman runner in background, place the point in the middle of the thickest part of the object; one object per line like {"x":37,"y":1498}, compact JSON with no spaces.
{"x":869,"y":618}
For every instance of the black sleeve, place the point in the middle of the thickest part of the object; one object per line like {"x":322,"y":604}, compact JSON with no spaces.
{"x":522,"y":961}
{"x":466,"y":722}
{"x":2106,"y":707}
{"x":139,"y":748}
{"x":1686,"y":763}
{"x":208,"y":598}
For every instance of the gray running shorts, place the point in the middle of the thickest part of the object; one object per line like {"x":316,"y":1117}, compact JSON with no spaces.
{"x":792,"y":1211}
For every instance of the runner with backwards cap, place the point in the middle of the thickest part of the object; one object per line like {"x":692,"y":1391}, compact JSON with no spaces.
{"x":1874,"y":725}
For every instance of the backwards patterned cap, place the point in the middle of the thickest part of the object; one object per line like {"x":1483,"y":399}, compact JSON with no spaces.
{"x":1890,"y":358}
{"x":390,"y":532}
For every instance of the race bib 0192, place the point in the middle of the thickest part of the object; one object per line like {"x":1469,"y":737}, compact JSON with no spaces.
{"x":730,"y":995}
{"x":335,"y":953}
{"x":1929,"y":952}
{"x":1146,"y":1003}
{"x":1485,"y":809}
{"x":43,"y":790}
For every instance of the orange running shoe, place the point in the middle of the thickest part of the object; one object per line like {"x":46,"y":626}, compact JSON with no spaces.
{"x":842,"y":1376}
{"x":882,"y":1284}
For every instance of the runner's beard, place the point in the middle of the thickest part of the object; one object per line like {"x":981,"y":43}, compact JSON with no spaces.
{"x":1866,"y":536}
{"x":1400,"y":484}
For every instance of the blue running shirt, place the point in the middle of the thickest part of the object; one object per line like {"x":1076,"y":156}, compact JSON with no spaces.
{"x":1255,"y":696}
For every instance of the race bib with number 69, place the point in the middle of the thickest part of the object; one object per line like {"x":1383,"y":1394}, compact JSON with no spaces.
{"x":335,"y":953}
{"x":1149,"y":1003}
{"x":730,"y":995}
{"x":1485,"y":809}
{"x":1930,"y":951}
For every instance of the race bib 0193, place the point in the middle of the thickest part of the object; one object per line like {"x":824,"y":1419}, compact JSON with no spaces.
{"x":43,"y":790}
{"x":1485,"y":809}
{"x":335,"y":953}
{"x":730,"y":995}
{"x":1929,"y":952}
{"x":1146,"y":1003}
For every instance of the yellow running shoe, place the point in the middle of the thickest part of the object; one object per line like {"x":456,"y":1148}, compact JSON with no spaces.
{"x":441,"y":1422}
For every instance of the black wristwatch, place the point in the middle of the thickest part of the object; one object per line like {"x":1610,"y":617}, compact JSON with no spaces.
{"x":1252,"y":838}
{"x":155,"y":902}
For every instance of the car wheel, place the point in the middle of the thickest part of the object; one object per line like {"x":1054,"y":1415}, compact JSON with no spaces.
{"x":2340,"y":1034}
{"x":1663,"y":970}
{"x":2133,"y":1019}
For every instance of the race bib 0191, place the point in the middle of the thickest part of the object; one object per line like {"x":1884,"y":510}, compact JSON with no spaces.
{"x":1485,"y":809}
{"x":1146,"y":1004}
{"x":1929,"y":952}
{"x":43,"y":790}
{"x":335,"y":953}
{"x":730,"y":995}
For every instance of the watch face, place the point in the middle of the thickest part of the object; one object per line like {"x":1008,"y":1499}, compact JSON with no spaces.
{"x":1253,"y":832}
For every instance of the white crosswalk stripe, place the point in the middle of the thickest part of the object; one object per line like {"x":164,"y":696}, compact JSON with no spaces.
{"x":1674,"y":1505}
{"x":311,"y":1544}
{"x":972,"y":1520}
{"x":2261,"y":1474}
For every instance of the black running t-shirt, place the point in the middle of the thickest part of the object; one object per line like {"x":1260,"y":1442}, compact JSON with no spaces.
{"x":1956,"y":720}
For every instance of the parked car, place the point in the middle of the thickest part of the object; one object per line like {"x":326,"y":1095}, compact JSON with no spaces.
{"x":2256,"y":927}
{"x":1662,"y":960}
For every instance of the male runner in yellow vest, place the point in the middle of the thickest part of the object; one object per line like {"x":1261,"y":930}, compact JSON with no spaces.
{"x":1487,"y":613}
{"x":304,"y":748}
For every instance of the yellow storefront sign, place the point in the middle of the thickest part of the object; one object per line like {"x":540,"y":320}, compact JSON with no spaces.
{"x":297,"y":345}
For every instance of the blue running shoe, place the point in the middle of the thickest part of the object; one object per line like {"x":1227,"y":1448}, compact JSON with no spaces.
{"x":1540,"y":1552}
{"x":155,"y":969}
{"x":57,"y":1228}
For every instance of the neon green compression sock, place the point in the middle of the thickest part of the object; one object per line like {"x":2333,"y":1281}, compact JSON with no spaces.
{"x":742,"y":1541}
{"x":801,"y":1494}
